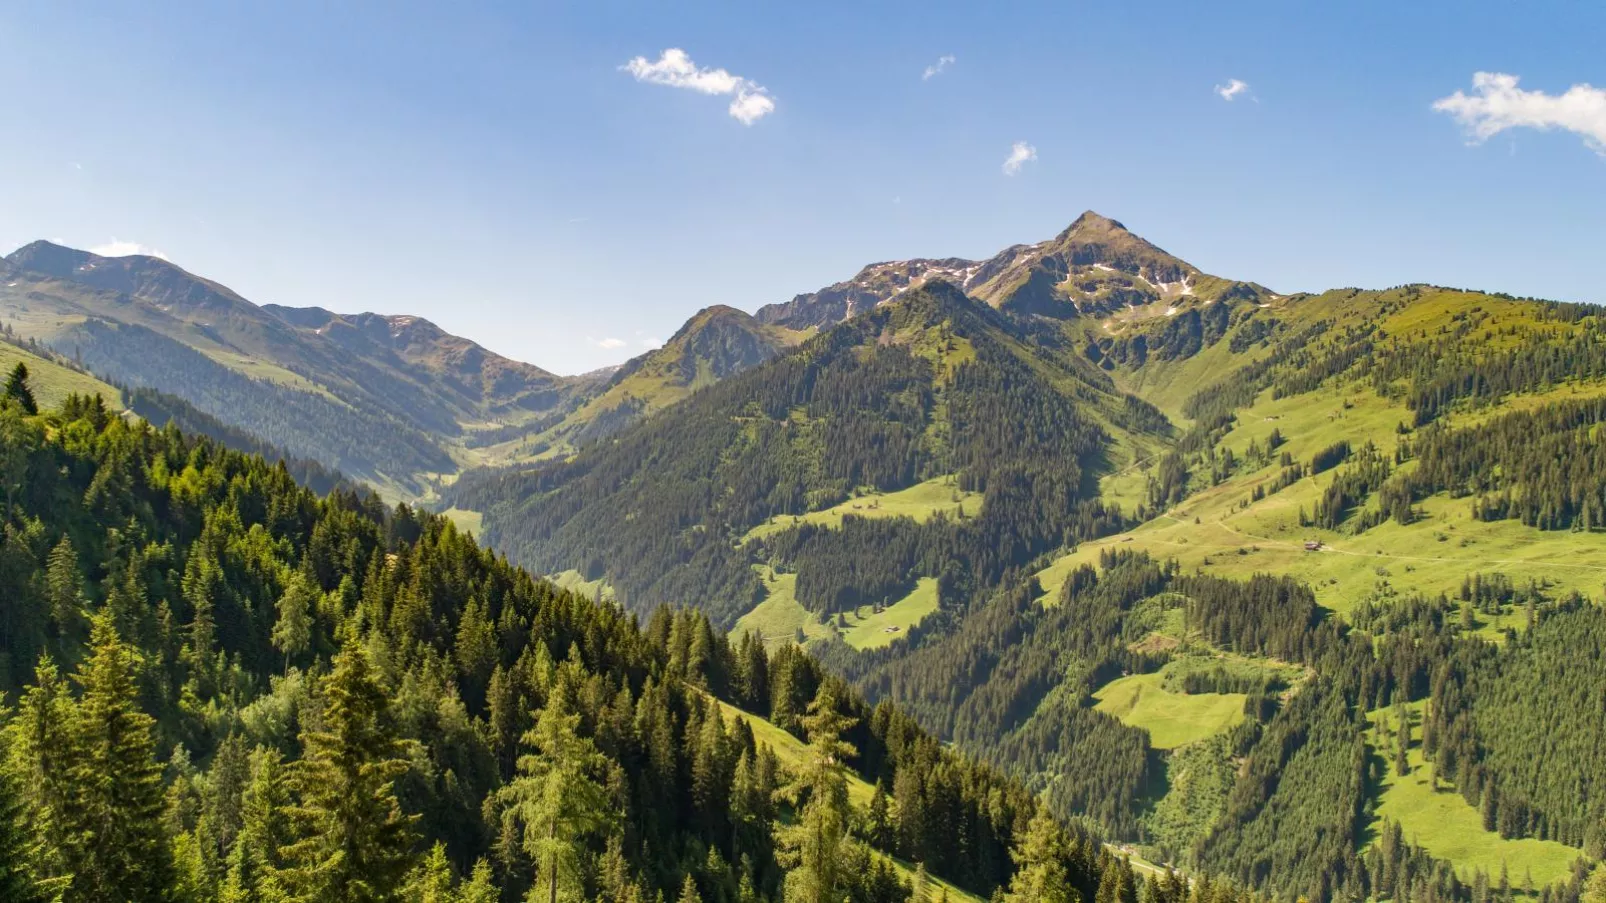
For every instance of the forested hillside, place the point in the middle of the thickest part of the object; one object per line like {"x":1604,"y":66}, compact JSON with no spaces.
{"x":932,"y":385}
{"x":1402,"y":705}
{"x":1296,"y":590}
{"x":1300,"y":593}
{"x":225,"y":687}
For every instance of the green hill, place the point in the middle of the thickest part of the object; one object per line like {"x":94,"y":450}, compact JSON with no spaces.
{"x":1417,"y":467}
{"x":715,"y":343}
{"x":933,"y":384}
{"x":251,"y":691}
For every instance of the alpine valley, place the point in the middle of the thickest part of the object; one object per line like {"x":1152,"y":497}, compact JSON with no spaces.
{"x":1075,"y":567}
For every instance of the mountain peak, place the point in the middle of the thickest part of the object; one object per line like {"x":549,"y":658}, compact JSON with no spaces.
{"x":1092,"y":220}
{"x":48,"y":257}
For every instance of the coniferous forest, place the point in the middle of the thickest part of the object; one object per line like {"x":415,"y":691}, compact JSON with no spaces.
{"x":227,"y":688}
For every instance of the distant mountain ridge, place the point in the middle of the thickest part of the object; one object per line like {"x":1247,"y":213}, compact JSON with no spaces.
{"x":386,"y":399}
{"x":392,"y":399}
{"x":477,"y":375}
{"x":1095,"y":267}
{"x":717,"y":342}
{"x":421,"y":405}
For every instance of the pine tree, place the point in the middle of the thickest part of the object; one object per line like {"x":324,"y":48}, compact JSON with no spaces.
{"x":18,"y":440}
{"x":431,"y":882}
{"x":64,"y":589}
{"x":880,"y":819}
{"x":559,"y":797}
{"x":353,"y":841}
{"x":38,"y":759}
{"x":688,"y":892}
{"x":821,"y":788}
{"x":202,"y":586}
{"x":1041,"y":874}
{"x":292,"y":632}
{"x":222,"y":799}
{"x":920,"y":890}
{"x":1595,"y":888}
{"x":254,"y":862}
{"x":710,"y":778}
{"x":16,"y":878}
{"x":17,"y":389}
{"x":116,"y":783}
{"x":479,"y":888}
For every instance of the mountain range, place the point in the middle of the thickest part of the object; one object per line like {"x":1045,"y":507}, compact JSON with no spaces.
{"x":1286,"y":588}
{"x":420,"y":405}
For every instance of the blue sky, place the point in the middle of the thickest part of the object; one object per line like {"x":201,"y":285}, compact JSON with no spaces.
{"x":502,"y":172}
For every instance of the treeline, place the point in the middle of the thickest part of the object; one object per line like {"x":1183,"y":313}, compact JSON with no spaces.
{"x":1545,"y":467}
{"x":1517,"y":730}
{"x":162,"y":410}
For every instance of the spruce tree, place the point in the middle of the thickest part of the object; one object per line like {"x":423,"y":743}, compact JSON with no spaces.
{"x":117,"y":798}
{"x":880,"y":818}
{"x":292,"y":632}
{"x":479,"y":888}
{"x":253,"y":865}
{"x":559,"y":797}
{"x":38,"y":762}
{"x":1041,"y":875}
{"x":821,"y":788}
{"x":17,"y":389}
{"x":64,"y":589}
{"x":432,"y":881}
{"x":352,"y":840}
{"x":16,"y":878}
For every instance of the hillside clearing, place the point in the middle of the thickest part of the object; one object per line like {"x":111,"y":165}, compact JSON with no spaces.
{"x":877,"y":629}
{"x":920,"y":502}
{"x":1446,"y":825}
{"x":1172,"y":719}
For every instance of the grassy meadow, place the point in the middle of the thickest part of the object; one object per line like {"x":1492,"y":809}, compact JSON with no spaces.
{"x":920,"y":502}
{"x":780,"y":616}
{"x":1449,"y":827}
{"x":1172,"y":719}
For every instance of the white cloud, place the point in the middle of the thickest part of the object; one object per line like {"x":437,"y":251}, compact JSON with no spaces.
{"x":1019,"y":153}
{"x":609,"y":343}
{"x":651,"y":343}
{"x":749,"y":108}
{"x":119,"y":248}
{"x":750,"y":101}
{"x":935,"y":69}
{"x":1232,"y":89}
{"x":1497,"y":104}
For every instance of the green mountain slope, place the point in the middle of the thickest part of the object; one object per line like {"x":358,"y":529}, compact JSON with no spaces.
{"x":1421,"y":469}
{"x":930,"y":385}
{"x":715,"y":343}
{"x":1418,"y":468}
{"x":246,"y":691}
